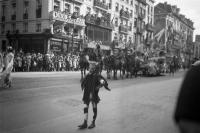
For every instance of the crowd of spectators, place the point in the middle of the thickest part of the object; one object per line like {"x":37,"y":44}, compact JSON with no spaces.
{"x":30,"y":62}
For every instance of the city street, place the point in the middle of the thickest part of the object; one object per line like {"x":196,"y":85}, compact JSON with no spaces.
{"x":50,"y":102}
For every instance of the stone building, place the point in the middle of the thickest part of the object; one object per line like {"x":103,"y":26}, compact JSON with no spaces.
{"x":173,"y":31}
{"x":71,"y":25}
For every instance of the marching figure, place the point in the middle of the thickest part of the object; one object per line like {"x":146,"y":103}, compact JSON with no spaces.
{"x":91,"y":85}
{"x":8,"y":66}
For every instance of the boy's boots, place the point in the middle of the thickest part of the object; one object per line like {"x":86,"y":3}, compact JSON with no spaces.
{"x":92,"y":125}
{"x":84,"y":125}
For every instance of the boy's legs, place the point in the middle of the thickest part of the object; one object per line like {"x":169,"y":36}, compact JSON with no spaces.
{"x":94,"y":105}
{"x":84,"y":125}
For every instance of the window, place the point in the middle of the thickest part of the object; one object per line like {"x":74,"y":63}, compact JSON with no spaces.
{"x":77,"y":9}
{"x":122,"y":7}
{"x":25,"y":27}
{"x":2,"y":28}
{"x":131,"y":2}
{"x":126,"y":23}
{"x":88,"y":10}
{"x":26,"y":7}
{"x":127,"y":9}
{"x":38,"y":27}
{"x":136,"y":9}
{"x":38,"y":8}
{"x":131,"y":13}
{"x":117,"y":7}
{"x":125,"y":38}
{"x":13,"y":8}
{"x":148,"y":9}
{"x":127,"y":1}
{"x":3,"y":10}
{"x":116,"y":21}
{"x":25,"y":15}
{"x":57,"y":5}
{"x":130,"y":27}
{"x":151,"y":10}
{"x":67,"y":8}
{"x":135,"y":22}
{"x":13,"y":27}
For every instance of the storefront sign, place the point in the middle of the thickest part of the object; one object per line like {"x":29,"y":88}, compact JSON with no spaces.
{"x":93,"y":44}
{"x":66,"y":18}
{"x":55,"y":46}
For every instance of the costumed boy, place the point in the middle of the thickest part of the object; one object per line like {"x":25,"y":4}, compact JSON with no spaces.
{"x":90,"y":86}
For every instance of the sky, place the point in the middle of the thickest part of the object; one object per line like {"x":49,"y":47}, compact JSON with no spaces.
{"x":190,"y":8}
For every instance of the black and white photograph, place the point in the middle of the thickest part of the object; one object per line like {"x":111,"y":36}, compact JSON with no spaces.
{"x":99,"y":66}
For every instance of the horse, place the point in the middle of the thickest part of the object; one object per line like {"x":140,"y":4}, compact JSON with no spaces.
{"x":112,"y":63}
{"x":108,"y":66}
{"x":83,"y":65}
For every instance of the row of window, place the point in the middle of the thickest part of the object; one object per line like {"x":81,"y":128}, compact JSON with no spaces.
{"x":26,"y":6}
{"x":122,"y":8}
{"x":25,"y":28}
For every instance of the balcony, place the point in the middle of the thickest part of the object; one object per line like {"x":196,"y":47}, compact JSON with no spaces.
{"x":104,"y":23}
{"x":141,"y":16}
{"x":79,"y":1}
{"x":13,"y":17}
{"x":25,"y":16}
{"x":123,"y":29}
{"x":3,"y":18}
{"x":101,"y":5}
{"x":150,"y":27}
{"x":142,"y":1}
{"x":124,"y":14}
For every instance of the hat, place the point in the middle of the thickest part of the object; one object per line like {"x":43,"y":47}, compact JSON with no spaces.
{"x":92,"y":66}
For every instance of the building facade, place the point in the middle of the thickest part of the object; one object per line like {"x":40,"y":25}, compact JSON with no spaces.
{"x":173,"y":31}
{"x":197,"y":46}
{"x":71,"y":25}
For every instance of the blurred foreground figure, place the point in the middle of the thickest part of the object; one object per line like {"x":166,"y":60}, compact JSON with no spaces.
{"x":187,"y":112}
{"x":90,"y":86}
{"x":5,"y":74}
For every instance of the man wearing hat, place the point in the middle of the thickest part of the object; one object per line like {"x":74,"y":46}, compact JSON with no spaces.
{"x":91,"y":85}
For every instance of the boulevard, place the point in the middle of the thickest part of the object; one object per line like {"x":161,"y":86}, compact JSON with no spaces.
{"x":50,"y":102}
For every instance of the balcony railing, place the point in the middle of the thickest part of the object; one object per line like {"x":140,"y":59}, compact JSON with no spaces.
{"x":124,"y":14}
{"x":3,"y":18}
{"x":149,"y":27}
{"x":13,"y":17}
{"x":141,"y":15}
{"x":142,"y":1}
{"x":102,"y":5}
{"x":123,"y":29}
{"x":79,"y":1}
{"x":91,"y":19}
{"x":25,"y":16}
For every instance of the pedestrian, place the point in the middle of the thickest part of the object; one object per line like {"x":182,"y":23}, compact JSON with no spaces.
{"x":8,"y":66}
{"x":187,"y":111}
{"x":91,"y":85}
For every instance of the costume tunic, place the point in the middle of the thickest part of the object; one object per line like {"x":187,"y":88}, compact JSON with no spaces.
{"x":91,"y":84}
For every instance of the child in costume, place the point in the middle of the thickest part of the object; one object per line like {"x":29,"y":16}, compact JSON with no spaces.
{"x":91,"y":85}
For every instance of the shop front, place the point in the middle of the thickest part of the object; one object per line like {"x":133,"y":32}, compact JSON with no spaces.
{"x":67,"y":31}
{"x":29,"y":43}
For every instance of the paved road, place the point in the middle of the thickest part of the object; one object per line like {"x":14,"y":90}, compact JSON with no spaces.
{"x":51,"y":103}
